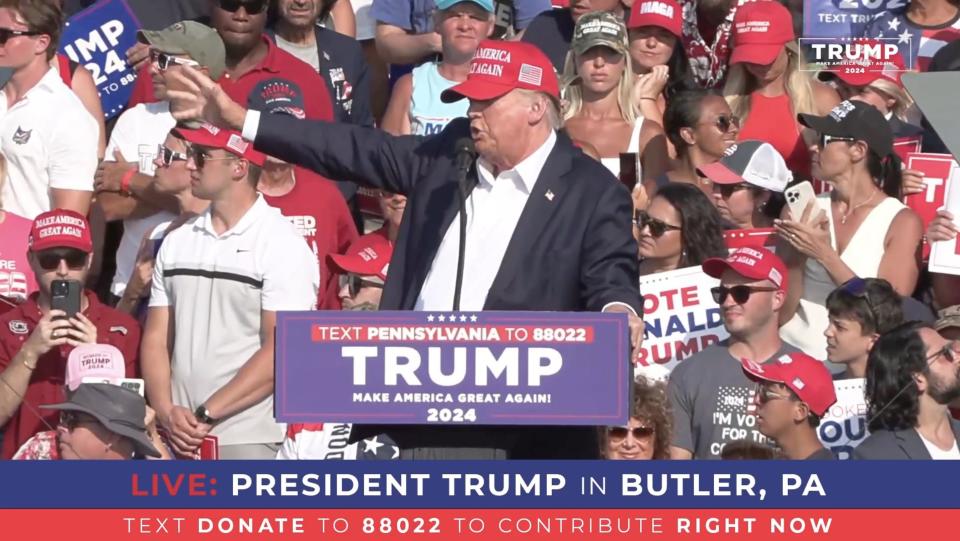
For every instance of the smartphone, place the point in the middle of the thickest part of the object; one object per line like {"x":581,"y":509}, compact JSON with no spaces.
{"x":65,"y":295}
{"x":134,"y":384}
{"x":628,"y":169}
{"x":799,"y":196}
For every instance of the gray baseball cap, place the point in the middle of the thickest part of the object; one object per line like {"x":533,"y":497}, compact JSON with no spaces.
{"x":120,"y":410}
{"x":198,"y":41}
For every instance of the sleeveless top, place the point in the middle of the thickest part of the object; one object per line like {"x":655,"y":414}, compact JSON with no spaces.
{"x":862,"y":255}
{"x":429,"y":115}
{"x":66,"y":69}
{"x":773,"y":120}
{"x":613,"y":164}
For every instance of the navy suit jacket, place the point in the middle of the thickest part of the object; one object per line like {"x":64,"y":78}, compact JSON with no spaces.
{"x":897,"y":445}
{"x":572,"y":250}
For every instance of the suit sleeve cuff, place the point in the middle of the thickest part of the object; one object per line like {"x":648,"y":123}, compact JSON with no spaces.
{"x":251,"y":123}
{"x":625,"y":305}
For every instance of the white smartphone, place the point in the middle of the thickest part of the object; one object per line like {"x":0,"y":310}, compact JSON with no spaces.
{"x":798,"y":197}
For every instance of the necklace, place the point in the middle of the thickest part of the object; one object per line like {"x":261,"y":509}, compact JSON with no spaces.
{"x":843,"y":218}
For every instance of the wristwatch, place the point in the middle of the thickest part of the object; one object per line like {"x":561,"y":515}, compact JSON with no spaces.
{"x":203,"y":415}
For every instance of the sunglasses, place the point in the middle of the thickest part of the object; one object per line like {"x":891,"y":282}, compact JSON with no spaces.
{"x":7,"y":33}
{"x":355,"y":283}
{"x":657,"y":227}
{"x":164,"y":60}
{"x":857,"y":287}
{"x":73,"y":419}
{"x":727,"y":190}
{"x":725,"y":122}
{"x":253,"y":8}
{"x":620,"y":432}
{"x":740,"y":294}
{"x":50,"y":259}
{"x":827,"y":139}
{"x":201,"y":156}
{"x":168,"y":156}
{"x":765,"y":395}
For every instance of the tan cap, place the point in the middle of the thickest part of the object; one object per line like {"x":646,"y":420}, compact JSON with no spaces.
{"x":198,"y":41}
{"x":948,"y":317}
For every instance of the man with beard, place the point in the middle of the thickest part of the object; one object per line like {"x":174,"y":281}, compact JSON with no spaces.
{"x":913,"y":373}
{"x":711,"y":398}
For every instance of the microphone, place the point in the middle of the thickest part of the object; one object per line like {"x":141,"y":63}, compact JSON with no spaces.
{"x":465,"y":155}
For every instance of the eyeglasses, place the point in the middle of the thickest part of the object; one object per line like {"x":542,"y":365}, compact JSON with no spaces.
{"x":354,"y":283}
{"x":201,"y":157}
{"x":948,"y":352}
{"x":7,"y":33}
{"x":72,"y":419}
{"x":50,"y":259}
{"x":740,"y":294}
{"x":657,"y":227}
{"x":253,"y":8}
{"x":620,"y":432}
{"x":725,"y":122}
{"x":164,"y":60}
{"x":168,"y":156}
{"x":727,"y":190}
{"x":827,"y":139}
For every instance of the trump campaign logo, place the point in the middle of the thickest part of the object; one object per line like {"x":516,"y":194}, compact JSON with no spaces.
{"x":859,"y":58}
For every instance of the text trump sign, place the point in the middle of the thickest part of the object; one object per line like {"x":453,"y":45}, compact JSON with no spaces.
{"x":484,"y":368}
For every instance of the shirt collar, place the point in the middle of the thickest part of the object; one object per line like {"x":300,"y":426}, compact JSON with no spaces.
{"x":45,"y":84}
{"x":205,"y":222}
{"x":528,"y":170}
{"x":270,"y":62}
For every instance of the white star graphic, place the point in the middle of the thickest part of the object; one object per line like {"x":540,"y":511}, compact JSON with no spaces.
{"x":370,"y":445}
{"x":893,"y":24}
{"x":396,"y":453}
{"x":463,"y":318}
{"x":430,"y":318}
{"x":453,"y":318}
{"x":904,"y":37}
{"x":473,"y":318}
{"x":441,"y":317}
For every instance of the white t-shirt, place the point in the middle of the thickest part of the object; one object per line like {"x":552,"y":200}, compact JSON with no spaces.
{"x":937,"y":453}
{"x":49,"y":141}
{"x":216,"y":287}
{"x":137,"y":133}
{"x":366,"y":24}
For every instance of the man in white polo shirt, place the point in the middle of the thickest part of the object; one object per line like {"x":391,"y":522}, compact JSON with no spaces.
{"x":217,"y":285}
{"x":47,"y":136}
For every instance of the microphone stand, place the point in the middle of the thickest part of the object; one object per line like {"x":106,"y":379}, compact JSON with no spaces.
{"x":461,"y":256}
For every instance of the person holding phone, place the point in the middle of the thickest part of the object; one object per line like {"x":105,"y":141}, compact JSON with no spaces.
{"x":37,"y":337}
{"x":860,"y":228}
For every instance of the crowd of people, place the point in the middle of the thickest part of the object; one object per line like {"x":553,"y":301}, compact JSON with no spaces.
{"x":282,"y":155}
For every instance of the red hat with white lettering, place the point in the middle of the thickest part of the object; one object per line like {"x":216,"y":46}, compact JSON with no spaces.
{"x":869,"y":67}
{"x":211,"y":136}
{"x":369,"y":255}
{"x":501,"y":66}
{"x":754,"y":263}
{"x":807,"y":377}
{"x":666,"y":14}
{"x":60,"y":228}
{"x":760,"y":30}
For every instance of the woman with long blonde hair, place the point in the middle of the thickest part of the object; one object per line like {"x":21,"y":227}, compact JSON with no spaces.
{"x":598,"y":88}
{"x":768,"y":85}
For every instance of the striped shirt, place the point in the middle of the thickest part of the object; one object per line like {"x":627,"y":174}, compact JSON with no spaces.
{"x":924,"y":41}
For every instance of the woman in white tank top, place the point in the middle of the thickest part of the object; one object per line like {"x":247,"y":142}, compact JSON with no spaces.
{"x":860,"y":229}
{"x":599,"y":111}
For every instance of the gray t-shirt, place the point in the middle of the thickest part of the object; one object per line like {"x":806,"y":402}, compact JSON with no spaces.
{"x":713,"y":402}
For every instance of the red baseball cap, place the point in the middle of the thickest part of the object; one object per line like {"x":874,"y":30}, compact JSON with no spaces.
{"x":369,"y":255}
{"x":750,"y":262}
{"x":666,"y":14}
{"x":760,"y":30}
{"x":501,"y":66}
{"x":863,"y":71}
{"x":807,"y":377}
{"x":60,"y":228}
{"x":211,"y":136}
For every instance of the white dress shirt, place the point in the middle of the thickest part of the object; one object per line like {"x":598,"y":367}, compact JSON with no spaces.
{"x":493,"y":210}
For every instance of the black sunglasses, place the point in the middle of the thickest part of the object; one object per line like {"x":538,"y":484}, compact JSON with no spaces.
{"x":857,"y":287}
{"x":725,"y":122}
{"x":253,"y":8}
{"x":620,"y":432}
{"x":50,"y":259}
{"x":740,"y":294}
{"x":168,"y":156}
{"x":727,"y":190}
{"x":827,"y":139}
{"x":354,"y":283}
{"x":7,"y":33}
{"x":657,"y":227}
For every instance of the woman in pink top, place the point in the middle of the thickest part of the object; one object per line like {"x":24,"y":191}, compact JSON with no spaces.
{"x":17,"y":281}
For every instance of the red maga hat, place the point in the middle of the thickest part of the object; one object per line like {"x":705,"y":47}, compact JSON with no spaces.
{"x":60,"y":228}
{"x":760,"y":30}
{"x":369,"y":255}
{"x":666,"y":14}
{"x":807,"y":377}
{"x":208,"y":135}
{"x":753,"y":263}
{"x":501,"y":66}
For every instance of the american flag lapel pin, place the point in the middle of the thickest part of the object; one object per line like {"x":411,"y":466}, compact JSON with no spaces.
{"x":549,"y":195}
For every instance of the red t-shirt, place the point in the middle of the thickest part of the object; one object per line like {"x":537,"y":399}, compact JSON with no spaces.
{"x":48,"y":380}
{"x":316,"y":208}
{"x":773,"y":120}
{"x":16,"y":277}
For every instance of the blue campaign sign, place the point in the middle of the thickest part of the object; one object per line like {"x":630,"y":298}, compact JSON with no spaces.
{"x":483,"y":368}
{"x":98,"y":37}
{"x":843,"y":18}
